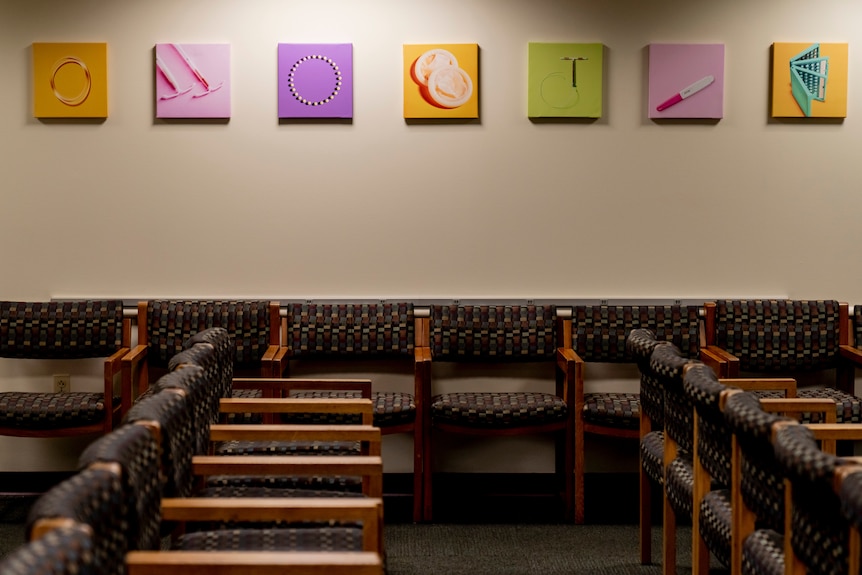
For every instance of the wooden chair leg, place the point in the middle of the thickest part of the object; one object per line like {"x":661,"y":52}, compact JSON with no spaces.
{"x":645,"y":517}
{"x":668,"y":538}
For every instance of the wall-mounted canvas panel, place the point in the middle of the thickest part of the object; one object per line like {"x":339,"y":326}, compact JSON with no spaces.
{"x":809,"y":79}
{"x":441,"y":81}
{"x":686,"y":81}
{"x":564,"y":80}
{"x":192,"y":80}
{"x":70,"y":80}
{"x":315,"y":80}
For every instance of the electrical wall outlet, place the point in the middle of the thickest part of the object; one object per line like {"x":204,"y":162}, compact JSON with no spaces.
{"x":62,"y":383}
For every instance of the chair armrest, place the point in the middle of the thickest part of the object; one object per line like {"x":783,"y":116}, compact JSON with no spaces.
{"x":795,"y":405}
{"x":365,"y":465}
{"x":257,"y":562}
{"x":268,"y":363}
{"x":851,"y":353}
{"x":722,"y":362}
{"x":276,"y":432}
{"x":785,"y":384}
{"x":130,"y":364}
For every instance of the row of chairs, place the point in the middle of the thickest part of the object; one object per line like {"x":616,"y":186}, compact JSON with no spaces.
{"x":164,"y":491}
{"x":750,"y":462}
{"x":732,"y":336}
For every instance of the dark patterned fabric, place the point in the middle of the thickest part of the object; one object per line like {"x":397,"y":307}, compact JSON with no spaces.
{"x":851,"y":499}
{"x":288,"y":448}
{"x":857,"y":325}
{"x":61,"y":330}
{"x":779,"y":335}
{"x":172,"y":322}
{"x":205,"y":356}
{"x":640,"y":344}
{"x":498,"y":410}
{"x":679,"y":484}
{"x":667,"y":364}
{"x":284,"y":539}
{"x":762,"y":481}
{"x":716,"y":523}
{"x":652,"y":455}
{"x":713,"y":433}
{"x":174,"y":416}
{"x":93,"y":497}
{"x":62,"y":551}
{"x":350,"y":329}
{"x":820,"y":532}
{"x":51,"y":410}
{"x":202,"y":396}
{"x":493,"y":332}
{"x":135,"y":449}
{"x":390,"y":408}
{"x":621,"y":410}
{"x":326,"y":483}
{"x":196,"y":352}
{"x":599,"y":332}
{"x":848,"y":407}
{"x":763,"y":553}
{"x":243,"y":418}
{"x":259,"y":491}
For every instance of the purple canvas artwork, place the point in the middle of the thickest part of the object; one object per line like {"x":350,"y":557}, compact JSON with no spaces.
{"x":193,"y":80}
{"x":686,"y":81}
{"x":315,"y":80}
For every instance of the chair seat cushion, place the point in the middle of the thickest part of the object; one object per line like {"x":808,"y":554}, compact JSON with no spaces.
{"x":327,"y":483}
{"x":498,"y":410}
{"x":716,"y":522}
{"x":622,"y":410}
{"x":50,"y":410}
{"x":848,"y":408}
{"x":243,"y":418}
{"x":279,"y":539}
{"x":652,"y":455}
{"x":288,"y":448}
{"x":390,"y":408}
{"x":261,"y":491}
{"x":763,"y":553}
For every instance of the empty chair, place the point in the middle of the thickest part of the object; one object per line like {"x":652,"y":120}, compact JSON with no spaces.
{"x":61,"y":551}
{"x":64,"y":330}
{"x":495,"y":334}
{"x":597,"y":334}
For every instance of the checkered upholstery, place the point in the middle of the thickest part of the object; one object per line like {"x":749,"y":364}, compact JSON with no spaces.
{"x":212,"y":350}
{"x":136,"y":451}
{"x":46,"y":410}
{"x":288,"y":448}
{"x":350,"y":330}
{"x":62,"y":551}
{"x":236,"y":485}
{"x":851,"y":499}
{"x":92,"y":497}
{"x":171,"y":322}
{"x":61,"y":329}
{"x":498,"y":410}
{"x":763,"y":553}
{"x":713,"y":434}
{"x":667,"y":363}
{"x":819,"y":530}
{"x":857,"y":325}
{"x":330,"y":538}
{"x":652,"y":455}
{"x":173,"y":413}
{"x":599,"y":332}
{"x":640,"y":344}
{"x":201,"y":396}
{"x":716,"y":523}
{"x":779,"y":335}
{"x":390,"y":408}
{"x":679,"y":484}
{"x":493,"y":332}
{"x":620,"y":410}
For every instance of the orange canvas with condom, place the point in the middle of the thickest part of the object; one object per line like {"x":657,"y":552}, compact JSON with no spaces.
{"x":70,"y":80}
{"x":441,"y":81}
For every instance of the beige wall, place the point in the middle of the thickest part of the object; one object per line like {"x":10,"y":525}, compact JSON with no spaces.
{"x":503,"y":207}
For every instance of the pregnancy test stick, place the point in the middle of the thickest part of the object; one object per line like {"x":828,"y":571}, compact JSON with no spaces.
{"x":686,"y":92}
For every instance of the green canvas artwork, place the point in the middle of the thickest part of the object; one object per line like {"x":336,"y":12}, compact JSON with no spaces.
{"x":565,"y":80}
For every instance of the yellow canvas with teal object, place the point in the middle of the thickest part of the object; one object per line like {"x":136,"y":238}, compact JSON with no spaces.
{"x":70,"y":80}
{"x":809,"y":80}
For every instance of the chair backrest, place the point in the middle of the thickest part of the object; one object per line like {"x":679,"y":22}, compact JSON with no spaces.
{"x":61,"y":329}
{"x":714,"y":436}
{"x":202,"y":395}
{"x":857,"y":325}
{"x":761,"y":477}
{"x":222,"y":344}
{"x":599,"y":332}
{"x":640,"y":344}
{"x":668,"y":364}
{"x":61,"y":551}
{"x":349,"y":330}
{"x":165,"y":326}
{"x":819,"y":533}
{"x":778,"y":335}
{"x":91,"y":497}
{"x":136,"y":451}
{"x":510,"y":332}
{"x":172,"y":412}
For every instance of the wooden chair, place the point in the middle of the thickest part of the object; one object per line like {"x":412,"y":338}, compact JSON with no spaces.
{"x":597,"y":334}
{"x":789,"y":338}
{"x":62,"y":551}
{"x":384,"y":331}
{"x":164,"y":326}
{"x":495,"y":334}
{"x":64,"y":330}
{"x":849,"y":489}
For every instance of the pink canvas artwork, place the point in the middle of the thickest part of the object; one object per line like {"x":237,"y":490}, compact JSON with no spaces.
{"x":686,"y":81}
{"x":192,"y":80}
